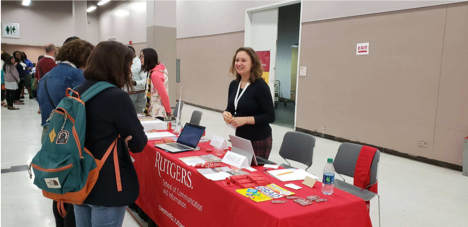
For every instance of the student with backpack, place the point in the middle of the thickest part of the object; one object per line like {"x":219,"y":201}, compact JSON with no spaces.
{"x":51,"y":90}
{"x":110,"y":116}
{"x":85,"y":158}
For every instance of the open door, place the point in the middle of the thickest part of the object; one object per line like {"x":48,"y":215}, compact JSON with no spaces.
{"x":262,"y":36}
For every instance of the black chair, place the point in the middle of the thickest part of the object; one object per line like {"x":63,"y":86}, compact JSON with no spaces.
{"x":345,"y":163}
{"x":196,"y":117}
{"x":299,"y":147}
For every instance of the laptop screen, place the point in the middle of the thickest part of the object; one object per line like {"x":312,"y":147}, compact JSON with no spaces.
{"x":191,"y":135}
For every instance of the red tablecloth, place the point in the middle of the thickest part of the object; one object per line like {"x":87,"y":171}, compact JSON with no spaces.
{"x":174,"y":194}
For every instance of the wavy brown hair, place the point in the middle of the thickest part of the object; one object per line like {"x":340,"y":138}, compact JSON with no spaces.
{"x":76,"y":52}
{"x":256,"y":70}
{"x":110,"y":61}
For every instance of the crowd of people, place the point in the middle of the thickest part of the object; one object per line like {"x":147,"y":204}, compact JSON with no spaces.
{"x":141,"y":86}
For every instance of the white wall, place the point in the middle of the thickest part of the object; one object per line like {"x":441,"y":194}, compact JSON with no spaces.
{"x":92,"y":29}
{"x":128,"y":27}
{"x":323,"y":10}
{"x":288,"y":34}
{"x":201,"y":18}
{"x":40,"y":23}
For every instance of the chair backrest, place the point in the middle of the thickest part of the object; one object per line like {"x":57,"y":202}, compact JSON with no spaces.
{"x":176,"y":109}
{"x":346,"y":158}
{"x":196,"y":117}
{"x":298,"y":146}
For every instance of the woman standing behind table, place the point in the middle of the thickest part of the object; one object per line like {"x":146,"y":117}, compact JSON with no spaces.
{"x":110,"y":115}
{"x":12,"y":79}
{"x":250,"y":105}
{"x":157,"y":85}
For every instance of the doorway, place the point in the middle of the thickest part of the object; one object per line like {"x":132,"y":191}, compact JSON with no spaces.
{"x":276,"y":29}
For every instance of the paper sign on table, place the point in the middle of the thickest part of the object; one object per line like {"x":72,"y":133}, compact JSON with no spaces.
{"x":236,"y":160}
{"x":293,"y":186}
{"x":250,"y":169}
{"x":219,"y":142}
{"x":270,"y":166}
{"x":309,"y":181}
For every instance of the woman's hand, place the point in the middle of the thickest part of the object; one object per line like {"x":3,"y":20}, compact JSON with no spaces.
{"x":239,"y":121}
{"x":126,"y":141}
{"x":227,"y":116}
{"x":169,"y":114}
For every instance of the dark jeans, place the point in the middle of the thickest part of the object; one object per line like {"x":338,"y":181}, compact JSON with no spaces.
{"x":3,"y":94}
{"x":20,"y":88}
{"x":10,"y":97}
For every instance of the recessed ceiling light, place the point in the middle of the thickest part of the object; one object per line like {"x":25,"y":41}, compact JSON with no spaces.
{"x":26,"y":2}
{"x":91,"y":9}
{"x":103,"y":2}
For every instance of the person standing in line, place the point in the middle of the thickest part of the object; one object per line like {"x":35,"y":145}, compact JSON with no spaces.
{"x":51,"y":90}
{"x":11,"y":80}
{"x":139,"y":82}
{"x":250,"y":105}
{"x":3,"y":56}
{"x":47,"y":63}
{"x":110,"y":115}
{"x":21,"y":67}
{"x":157,"y":85}
{"x":28,"y":80}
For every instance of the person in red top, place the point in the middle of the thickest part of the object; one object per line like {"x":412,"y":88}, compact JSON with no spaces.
{"x":47,"y":62}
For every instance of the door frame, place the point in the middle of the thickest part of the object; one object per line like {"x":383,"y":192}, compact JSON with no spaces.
{"x":248,"y":34}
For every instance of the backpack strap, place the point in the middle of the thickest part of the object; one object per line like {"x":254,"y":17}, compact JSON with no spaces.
{"x":113,"y":147}
{"x":95,"y":89}
{"x":61,"y":209}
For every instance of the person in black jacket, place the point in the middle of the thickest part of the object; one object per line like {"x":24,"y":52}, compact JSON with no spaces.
{"x":250,"y":105}
{"x":110,"y":115}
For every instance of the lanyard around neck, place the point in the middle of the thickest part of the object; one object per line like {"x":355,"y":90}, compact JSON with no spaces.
{"x":236,"y":99}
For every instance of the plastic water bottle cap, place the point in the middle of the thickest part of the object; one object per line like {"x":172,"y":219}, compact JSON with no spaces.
{"x":330,"y":160}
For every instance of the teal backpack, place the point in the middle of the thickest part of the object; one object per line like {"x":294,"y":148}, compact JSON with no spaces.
{"x":64,"y":169}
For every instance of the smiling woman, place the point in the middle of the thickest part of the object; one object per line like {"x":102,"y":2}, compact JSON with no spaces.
{"x":250,"y":106}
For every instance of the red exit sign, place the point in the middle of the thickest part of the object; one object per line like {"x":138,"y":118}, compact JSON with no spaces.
{"x":362,"y":49}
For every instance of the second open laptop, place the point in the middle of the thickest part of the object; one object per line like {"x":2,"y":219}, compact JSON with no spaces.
{"x":187,"y":141}
{"x":244,"y":147}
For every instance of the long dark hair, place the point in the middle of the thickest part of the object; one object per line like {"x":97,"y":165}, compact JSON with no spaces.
{"x":16,"y":59}
{"x":151,"y":59}
{"x":7,"y":62}
{"x":110,"y":61}
{"x":256,"y":70}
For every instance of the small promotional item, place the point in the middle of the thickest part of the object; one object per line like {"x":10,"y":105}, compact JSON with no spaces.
{"x":227,"y":182}
{"x":208,"y":165}
{"x":278,"y":201}
{"x":243,"y":181}
{"x":316,"y":198}
{"x":209,"y":150}
{"x":248,"y":185}
{"x":292,"y":197}
{"x":303,"y":202}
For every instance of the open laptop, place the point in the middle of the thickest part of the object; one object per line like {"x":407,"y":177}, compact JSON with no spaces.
{"x":187,"y":141}
{"x":244,"y":147}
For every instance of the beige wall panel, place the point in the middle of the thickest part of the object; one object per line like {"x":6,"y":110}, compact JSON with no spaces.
{"x":387,"y":98}
{"x":452,"y":111}
{"x":138,"y":47}
{"x":204,"y":65}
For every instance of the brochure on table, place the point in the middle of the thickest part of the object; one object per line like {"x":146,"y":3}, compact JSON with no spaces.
{"x":160,"y":135}
{"x":264,"y":193}
{"x":215,"y":174}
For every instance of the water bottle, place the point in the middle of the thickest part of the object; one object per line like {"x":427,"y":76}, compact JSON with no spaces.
{"x":328,"y":181}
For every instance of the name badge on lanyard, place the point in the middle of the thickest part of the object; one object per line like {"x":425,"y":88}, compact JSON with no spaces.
{"x":236,"y":99}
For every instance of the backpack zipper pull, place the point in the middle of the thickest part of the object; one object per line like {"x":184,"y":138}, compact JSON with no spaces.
{"x":64,"y":121}
{"x":29,"y":170}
